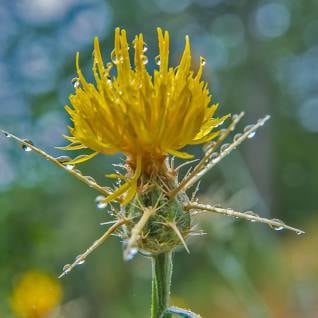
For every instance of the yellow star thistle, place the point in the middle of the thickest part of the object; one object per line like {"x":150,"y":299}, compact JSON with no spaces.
{"x":149,"y":118}
{"x":144,"y":116}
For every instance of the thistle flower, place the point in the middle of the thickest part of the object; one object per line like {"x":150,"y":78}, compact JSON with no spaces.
{"x":149,"y":118}
{"x":146,"y":117}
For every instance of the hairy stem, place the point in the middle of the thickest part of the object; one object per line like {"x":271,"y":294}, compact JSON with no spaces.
{"x":161,"y":281}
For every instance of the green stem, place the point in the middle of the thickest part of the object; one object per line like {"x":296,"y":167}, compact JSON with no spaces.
{"x":161,"y":281}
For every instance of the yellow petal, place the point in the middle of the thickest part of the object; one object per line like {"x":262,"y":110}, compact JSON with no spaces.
{"x":81,"y":158}
{"x":72,"y":147}
{"x":115,"y":176}
{"x":180,"y":154}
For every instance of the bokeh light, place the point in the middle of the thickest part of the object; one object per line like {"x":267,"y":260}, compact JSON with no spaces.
{"x":35,"y":295}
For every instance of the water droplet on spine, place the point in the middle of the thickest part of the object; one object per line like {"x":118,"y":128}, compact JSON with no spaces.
{"x":66,"y":268}
{"x":109,"y":66}
{"x":157,"y":59}
{"x":144,"y":59}
{"x":251,"y":213}
{"x":63,"y":160}
{"x":234,"y":117}
{"x":277,"y":227}
{"x":202,"y":61}
{"x":145,"y":49}
{"x":115,"y":58}
{"x":130,"y":253}
{"x":25,"y":146}
{"x":247,"y":128}
{"x":212,"y":143}
{"x":99,"y":202}
{"x":78,"y":261}
{"x":251,"y":135}
{"x":6,"y":134}
{"x":75,"y":82}
{"x":214,"y":155}
{"x":224,"y":147}
{"x":237,"y":136}
{"x":90,"y":179}
{"x":209,"y":146}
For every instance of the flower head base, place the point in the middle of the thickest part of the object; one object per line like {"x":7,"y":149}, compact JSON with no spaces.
{"x":145,"y":117}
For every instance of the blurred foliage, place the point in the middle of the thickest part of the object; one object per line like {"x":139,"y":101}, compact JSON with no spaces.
{"x":262,"y":57}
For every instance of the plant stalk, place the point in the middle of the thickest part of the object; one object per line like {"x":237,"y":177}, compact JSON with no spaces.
{"x":161,"y":282}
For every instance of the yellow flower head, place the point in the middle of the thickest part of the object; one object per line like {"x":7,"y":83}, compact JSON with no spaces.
{"x":35,"y":295}
{"x":141,"y":115}
{"x":144,"y":116}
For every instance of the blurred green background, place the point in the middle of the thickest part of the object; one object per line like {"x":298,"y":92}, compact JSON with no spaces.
{"x":262,"y":58}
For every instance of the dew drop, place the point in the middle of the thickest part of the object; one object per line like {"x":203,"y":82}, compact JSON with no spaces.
{"x":90,"y":179}
{"x":234,"y":117}
{"x":145,"y":49}
{"x":109,"y":66}
{"x":75,"y":82}
{"x":214,"y":155}
{"x":99,"y":202}
{"x":251,"y":213}
{"x":115,"y":59}
{"x":209,"y":146}
{"x":25,"y":146}
{"x":6,"y":134}
{"x":157,"y":59}
{"x":248,"y":127}
{"x":224,"y":147}
{"x":202,"y":61}
{"x":299,"y":232}
{"x":78,"y":261}
{"x":66,"y":268}
{"x":64,"y":159}
{"x":130,"y":253}
{"x":77,"y":171}
{"x":277,"y":227}
{"x":144,"y":59}
{"x":251,"y":135}
{"x":237,"y":136}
